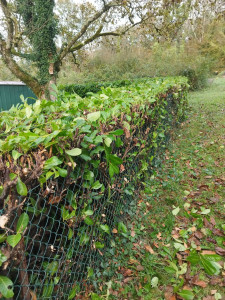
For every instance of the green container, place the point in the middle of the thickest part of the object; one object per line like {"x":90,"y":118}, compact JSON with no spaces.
{"x":10,"y":92}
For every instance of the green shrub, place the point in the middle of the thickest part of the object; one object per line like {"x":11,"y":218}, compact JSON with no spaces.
{"x":68,"y":169}
{"x":92,"y":87}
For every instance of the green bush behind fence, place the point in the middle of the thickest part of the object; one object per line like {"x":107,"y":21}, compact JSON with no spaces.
{"x":68,"y":169}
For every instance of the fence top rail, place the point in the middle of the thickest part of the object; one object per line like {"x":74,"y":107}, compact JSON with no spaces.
{"x":11,"y":83}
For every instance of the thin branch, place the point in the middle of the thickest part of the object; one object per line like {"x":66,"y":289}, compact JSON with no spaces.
{"x":9,"y":21}
{"x":67,"y":49}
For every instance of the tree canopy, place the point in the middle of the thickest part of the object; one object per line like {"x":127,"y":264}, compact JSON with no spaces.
{"x":37,"y":32}
{"x":41,"y":34}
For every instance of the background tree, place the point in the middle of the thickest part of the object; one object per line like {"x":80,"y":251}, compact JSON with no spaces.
{"x":33,"y":31}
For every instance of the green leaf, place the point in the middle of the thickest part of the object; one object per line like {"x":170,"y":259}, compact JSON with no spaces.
{"x":97,"y":185}
{"x":98,"y":139}
{"x":28,"y":111}
{"x":52,"y":268}
{"x":16,"y":154}
{"x":88,"y":212}
{"x":186,"y":294}
{"x":175,"y":211}
{"x":73,"y":293}
{"x":113,"y":170}
{"x":12,"y":176}
{"x":115,"y":160}
{"x":95,"y":297}
{"x":48,"y":289}
{"x":154,"y":282}
{"x":62,"y":172}
{"x":179,"y":247}
{"x":88,"y":221}
{"x":13,"y":240}
{"x":70,"y":234}
{"x":90,"y":272}
{"x":108,"y":141}
{"x":3,"y":258}
{"x":2,"y":237}
{"x":52,"y":162}
{"x":84,"y":238}
{"x":117,"y":132}
{"x":22,"y":223}
{"x":193,"y":258}
{"x":205,"y":211}
{"x":99,"y":245}
{"x":49,"y":174}
{"x":105,"y":228}
{"x":21,"y":188}
{"x":211,"y":267}
{"x":92,"y":117}
{"x":74,"y":152}
{"x":122,"y":227}
{"x":5,"y":287}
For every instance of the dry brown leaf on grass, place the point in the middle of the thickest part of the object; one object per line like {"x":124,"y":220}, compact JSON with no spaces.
{"x":132,"y":233}
{"x":140,"y":268}
{"x":169,"y":295}
{"x":149,"y":249}
{"x":127,"y":272}
{"x":208,"y":252}
{"x":200,"y":283}
{"x":220,"y":251}
{"x":159,"y":236}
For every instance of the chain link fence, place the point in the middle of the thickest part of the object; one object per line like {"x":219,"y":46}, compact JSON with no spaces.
{"x":70,"y":225}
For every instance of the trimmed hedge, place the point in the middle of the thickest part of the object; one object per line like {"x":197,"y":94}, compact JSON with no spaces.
{"x":67,"y":171}
{"x":83,"y":90}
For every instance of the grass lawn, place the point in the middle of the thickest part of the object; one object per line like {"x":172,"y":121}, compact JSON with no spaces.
{"x":174,"y":245}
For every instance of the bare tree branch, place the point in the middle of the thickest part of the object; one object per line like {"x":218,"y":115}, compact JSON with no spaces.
{"x":9,"y":21}
{"x":84,"y":29}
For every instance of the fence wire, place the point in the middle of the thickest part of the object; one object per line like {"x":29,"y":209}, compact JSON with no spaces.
{"x":56,"y":252}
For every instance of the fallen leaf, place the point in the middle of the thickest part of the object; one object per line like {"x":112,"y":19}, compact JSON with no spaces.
{"x":33,"y":295}
{"x":155,"y":244}
{"x":127,"y":279}
{"x":149,"y":249}
{"x":159,"y":236}
{"x":133,"y":261}
{"x":215,"y":280}
{"x":218,"y":232}
{"x":140,"y":268}
{"x":122,"y":168}
{"x":214,"y":199}
{"x":211,"y":240}
{"x":127,"y":272}
{"x":193,"y":229}
{"x":204,"y":187}
{"x":179,"y":257}
{"x":206,"y":252}
{"x":54,"y":200}
{"x":207,"y":224}
{"x":199,"y":235}
{"x":132,"y":233}
{"x":220,"y":251}
{"x":213,"y":221}
{"x":169,"y":293}
{"x":200,"y":283}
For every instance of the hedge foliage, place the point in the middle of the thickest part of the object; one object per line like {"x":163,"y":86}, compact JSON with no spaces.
{"x":84,"y":90}
{"x":67,"y":170}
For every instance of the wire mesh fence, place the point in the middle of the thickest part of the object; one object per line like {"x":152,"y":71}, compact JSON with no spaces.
{"x":70,"y":224}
